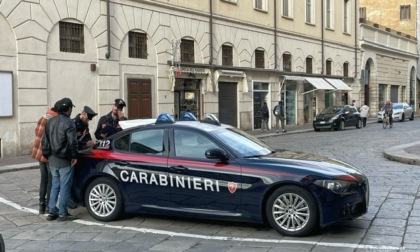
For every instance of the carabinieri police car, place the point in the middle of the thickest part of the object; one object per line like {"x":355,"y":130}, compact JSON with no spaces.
{"x":205,"y":169}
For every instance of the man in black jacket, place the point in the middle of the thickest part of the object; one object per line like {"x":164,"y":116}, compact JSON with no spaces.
{"x":109,"y":123}
{"x":60,"y":142}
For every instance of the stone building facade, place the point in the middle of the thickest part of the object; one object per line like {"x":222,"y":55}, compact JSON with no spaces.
{"x":212,"y":56}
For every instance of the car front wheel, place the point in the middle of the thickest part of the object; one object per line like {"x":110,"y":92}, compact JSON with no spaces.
{"x":402,"y":118}
{"x":292,"y":211}
{"x":412,"y":117}
{"x":103,"y":200}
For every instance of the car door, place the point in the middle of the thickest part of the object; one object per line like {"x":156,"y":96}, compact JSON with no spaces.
{"x":199,"y":184}
{"x":140,"y":162}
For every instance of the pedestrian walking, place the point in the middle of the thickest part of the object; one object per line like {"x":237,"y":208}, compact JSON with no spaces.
{"x":45,"y":183}
{"x":279,"y":113}
{"x":265,"y":115}
{"x":59,"y":144}
{"x":364,"y":113}
{"x":109,"y":123}
{"x":388,"y":110}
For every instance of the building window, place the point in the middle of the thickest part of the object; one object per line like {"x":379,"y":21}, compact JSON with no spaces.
{"x":328,"y":66}
{"x":329,"y":14}
{"x":227,"y":55}
{"x":259,"y":59}
{"x":287,"y":62}
{"x":405,"y":12}
{"x":187,"y":51}
{"x":137,"y":45}
{"x":346,"y":69}
{"x":309,"y":65}
{"x":346,"y":21}
{"x":287,"y":8}
{"x":310,"y":12}
{"x":362,"y":14}
{"x":72,"y":38}
{"x":261,"y":5}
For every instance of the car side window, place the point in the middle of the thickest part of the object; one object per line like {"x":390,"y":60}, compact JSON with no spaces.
{"x":189,"y":144}
{"x":353,"y":110}
{"x":144,"y":142}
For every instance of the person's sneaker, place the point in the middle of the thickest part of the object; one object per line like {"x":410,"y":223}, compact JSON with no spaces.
{"x":52,"y":216}
{"x":42,"y":208}
{"x":284,"y":131}
{"x":66,"y":217}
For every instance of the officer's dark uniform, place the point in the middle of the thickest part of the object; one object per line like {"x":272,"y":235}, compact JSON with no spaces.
{"x":107,"y":124}
{"x":82,"y":129}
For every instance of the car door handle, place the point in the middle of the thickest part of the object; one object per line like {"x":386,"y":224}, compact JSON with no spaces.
{"x":178,"y":168}
{"x":121,"y":163}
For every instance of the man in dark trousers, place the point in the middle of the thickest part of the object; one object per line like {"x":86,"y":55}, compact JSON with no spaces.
{"x":279,"y":113}
{"x":59,"y":143}
{"x":109,"y":124}
{"x":81,"y":122}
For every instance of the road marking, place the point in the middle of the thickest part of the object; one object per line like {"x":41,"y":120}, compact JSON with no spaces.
{"x":208,"y":237}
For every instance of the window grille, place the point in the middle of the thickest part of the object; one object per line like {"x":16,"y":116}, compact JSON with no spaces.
{"x":137,"y":45}
{"x":309,"y":65}
{"x":227,"y":55}
{"x":259,"y":59}
{"x":71,"y":37}
{"x":287,"y":62}
{"x":187,"y":51}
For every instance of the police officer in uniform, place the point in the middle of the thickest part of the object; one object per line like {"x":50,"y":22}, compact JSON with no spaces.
{"x":81,"y":122}
{"x":109,"y":123}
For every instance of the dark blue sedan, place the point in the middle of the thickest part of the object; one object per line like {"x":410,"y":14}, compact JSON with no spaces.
{"x":205,"y":169}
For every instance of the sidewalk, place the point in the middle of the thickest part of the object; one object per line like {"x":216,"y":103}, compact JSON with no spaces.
{"x":405,"y":153}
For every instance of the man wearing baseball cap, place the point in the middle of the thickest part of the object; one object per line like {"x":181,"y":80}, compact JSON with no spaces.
{"x":109,"y":123}
{"x":81,"y":122}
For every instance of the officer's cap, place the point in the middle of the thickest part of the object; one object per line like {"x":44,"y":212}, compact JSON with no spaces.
{"x":90,"y":113}
{"x":119,"y":103}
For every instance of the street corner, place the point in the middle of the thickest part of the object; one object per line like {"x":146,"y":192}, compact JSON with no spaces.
{"x":404,"y":153}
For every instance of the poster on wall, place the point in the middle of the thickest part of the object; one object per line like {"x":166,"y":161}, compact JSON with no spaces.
{"x":6,"y":94}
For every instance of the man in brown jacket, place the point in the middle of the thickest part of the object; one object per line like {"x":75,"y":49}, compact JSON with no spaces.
{"x":45,"y":184}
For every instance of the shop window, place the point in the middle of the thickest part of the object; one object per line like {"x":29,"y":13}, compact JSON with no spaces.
{"x":287,"y":62}
{"x":328,"y":67}
{"x":187,"y":51}
{"x":309,"y":65}
{"x":137,"y":45}
{"x":71,"y":37}
{"x":346,"y":69}
{"x":227,"y":55}
{"x":405,"y":12}
{"x":259,"y":59}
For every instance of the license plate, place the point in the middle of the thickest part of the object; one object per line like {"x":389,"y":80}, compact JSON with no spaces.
{"x":322,"y":122}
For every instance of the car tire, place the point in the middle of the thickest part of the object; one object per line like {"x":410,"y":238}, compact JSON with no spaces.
{"x":402,"y":118}
{"x":412,"y":117}
{"x":103,"y":200}
{"x":316,"y":129}
{"x":359,"y":124}
{"x":287,"y":203}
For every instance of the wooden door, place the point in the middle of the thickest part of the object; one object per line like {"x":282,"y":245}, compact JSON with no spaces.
{"x":139,"y":98}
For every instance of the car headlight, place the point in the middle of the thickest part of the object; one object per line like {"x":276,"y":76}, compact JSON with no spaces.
{"x":333,"y":118}
{"x":338,"y":186}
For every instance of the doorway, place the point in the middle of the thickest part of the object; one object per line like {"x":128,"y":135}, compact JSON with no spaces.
{"x":187,"y":97}
{"x":139,"y":98}
{"x":228,"y":100}
{"x":260,"y":96}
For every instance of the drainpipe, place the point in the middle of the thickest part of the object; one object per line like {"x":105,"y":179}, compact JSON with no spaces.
{"x":211,"y":32}
{"x":108,"y":27}
{"x":322,"y":37}
{"x":356,"y":25}
{"x":275,"y":34}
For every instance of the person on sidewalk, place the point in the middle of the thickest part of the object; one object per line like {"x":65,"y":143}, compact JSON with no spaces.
{"x":265,"y":115}
{"x":45,"y":183}
{"x":279,"y":113}
{"x":388,"y":110}
{"x":81,"y":122}
{"x":60,"y":146}
{"x":364,"y":113}
{"x":109,"y":123}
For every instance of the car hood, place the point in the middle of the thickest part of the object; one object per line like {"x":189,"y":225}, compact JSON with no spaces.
{"x":288,"y":161}
{"x":325,"y":116}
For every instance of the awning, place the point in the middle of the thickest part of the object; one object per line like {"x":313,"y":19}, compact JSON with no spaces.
{"x":232,"y":74}
{"x":319,"y":83}
{"x":338,"y":84}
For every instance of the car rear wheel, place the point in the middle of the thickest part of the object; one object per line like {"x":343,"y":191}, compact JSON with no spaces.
{"x":292,"y":211}
{"x":359,"y":124}
{"x":103,"y":200}
{"x":412,"y":117}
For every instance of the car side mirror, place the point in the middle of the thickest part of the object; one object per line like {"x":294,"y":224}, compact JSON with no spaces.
{"x":216,"y":153}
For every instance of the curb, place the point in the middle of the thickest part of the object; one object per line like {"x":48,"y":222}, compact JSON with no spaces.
{"x":19,"y":167}
{"x":398,"y":153}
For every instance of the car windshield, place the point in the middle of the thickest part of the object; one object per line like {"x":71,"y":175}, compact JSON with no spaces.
{"x":242,"y":143}
{"x":331,"y":110}
{"x":397,"y":106}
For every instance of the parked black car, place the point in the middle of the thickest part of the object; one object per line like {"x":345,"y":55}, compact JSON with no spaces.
{"x":337,"y":118}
